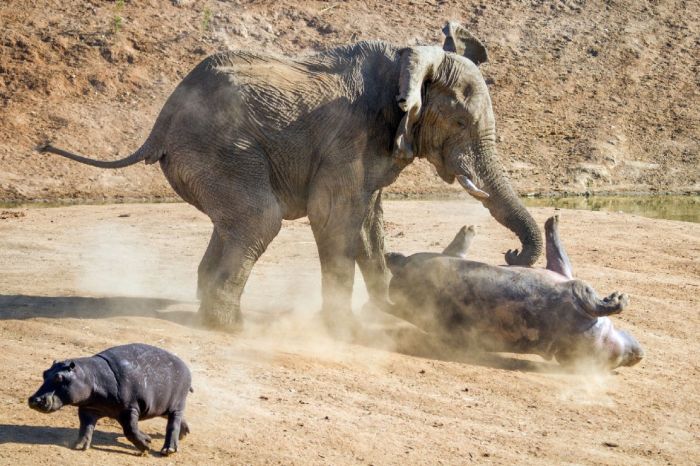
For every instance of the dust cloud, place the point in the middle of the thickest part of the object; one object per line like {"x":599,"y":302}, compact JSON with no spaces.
{"x":116,"y":260}
{"x":280,"y":314}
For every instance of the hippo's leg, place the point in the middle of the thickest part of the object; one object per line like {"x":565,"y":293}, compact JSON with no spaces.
{"x":557,"y":260}
{"x":460,"y":244}
{"x":129,"y":420}
{"x":184,"y":429}
{"x":88,"y":419}
{"x":592,"y":304}
{"x":172,"y":433}
{"x":613,"y":304}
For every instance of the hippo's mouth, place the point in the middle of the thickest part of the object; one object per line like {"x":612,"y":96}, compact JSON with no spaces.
{"x":45,"y":404}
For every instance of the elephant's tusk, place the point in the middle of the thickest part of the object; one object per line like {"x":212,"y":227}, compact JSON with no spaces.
{"x":471,"y":188}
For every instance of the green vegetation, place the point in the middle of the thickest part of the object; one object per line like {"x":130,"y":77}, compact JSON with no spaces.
{"x":117,"y":21}
{"x":206,"y":19}
{"x":685,"y":208}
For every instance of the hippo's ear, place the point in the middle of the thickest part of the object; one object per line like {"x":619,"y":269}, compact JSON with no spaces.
{"x":71,"y":366}
{"x":395,"y":261}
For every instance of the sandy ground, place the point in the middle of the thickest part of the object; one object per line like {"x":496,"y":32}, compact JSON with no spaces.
{"x":76,"y":280}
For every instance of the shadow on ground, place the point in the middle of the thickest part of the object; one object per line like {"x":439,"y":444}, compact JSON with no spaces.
{"x":65,"y":436}
{"x":21,"y":307}
{"x":407,"y":339}
{"x":411,"y":341}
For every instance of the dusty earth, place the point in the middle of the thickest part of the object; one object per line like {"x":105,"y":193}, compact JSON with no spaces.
{"x":589,"y":95}
{"x":75,"y":280}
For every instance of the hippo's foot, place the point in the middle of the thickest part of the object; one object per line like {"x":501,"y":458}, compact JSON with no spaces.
{"x":167,"y":451}
{"x":613,"y":304}
{"x":221,"y":314}
{"x":82,"y":444}
{"x":141,"y":441}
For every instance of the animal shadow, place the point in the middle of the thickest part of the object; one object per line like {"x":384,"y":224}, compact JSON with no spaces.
{"x":20,"y":307}
{"x":409,"y":340}
{"x":65,"y":436}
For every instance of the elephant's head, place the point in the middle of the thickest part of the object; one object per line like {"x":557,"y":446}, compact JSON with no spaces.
{"x":449,"y":121}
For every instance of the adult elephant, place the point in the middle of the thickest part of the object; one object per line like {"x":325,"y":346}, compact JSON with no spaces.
{"x":251,"y":139}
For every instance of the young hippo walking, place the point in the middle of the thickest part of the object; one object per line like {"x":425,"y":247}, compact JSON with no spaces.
{"x":127,"y":383}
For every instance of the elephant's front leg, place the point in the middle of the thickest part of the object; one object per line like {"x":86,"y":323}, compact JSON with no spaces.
{"x":370,"y":254}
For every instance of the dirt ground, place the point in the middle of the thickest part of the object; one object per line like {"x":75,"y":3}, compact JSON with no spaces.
{"x":76,"y":280}
{"x":589,"y":95}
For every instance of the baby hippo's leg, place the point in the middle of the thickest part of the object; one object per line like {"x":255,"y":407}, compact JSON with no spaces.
{"x":129,"y":420}
{"x":557,"y":260}
{"x":172,"y":433}
{"x":88,"y":419}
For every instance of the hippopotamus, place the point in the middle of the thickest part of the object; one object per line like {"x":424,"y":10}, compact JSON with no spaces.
{"x":511,"y":308}
{"x":127,"y":383}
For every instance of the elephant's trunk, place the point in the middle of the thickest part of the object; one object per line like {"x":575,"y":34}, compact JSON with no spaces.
{"x":505,"y":206}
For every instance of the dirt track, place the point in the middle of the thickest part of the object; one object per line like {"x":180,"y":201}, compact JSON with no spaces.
{"x":75,"y":280}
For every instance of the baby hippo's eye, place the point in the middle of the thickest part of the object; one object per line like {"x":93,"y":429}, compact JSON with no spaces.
{"x":59,"y":378}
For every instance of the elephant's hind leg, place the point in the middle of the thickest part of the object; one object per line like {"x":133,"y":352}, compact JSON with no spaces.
{"x":243,"y":238}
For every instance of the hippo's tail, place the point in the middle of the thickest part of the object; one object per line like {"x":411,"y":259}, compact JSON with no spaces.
{"x":191,"y":390}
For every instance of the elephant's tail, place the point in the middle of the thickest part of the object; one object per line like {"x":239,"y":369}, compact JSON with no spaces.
{"x":145,"y":152}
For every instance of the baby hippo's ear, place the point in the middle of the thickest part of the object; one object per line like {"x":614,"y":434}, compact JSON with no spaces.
{"x":395,"y":261}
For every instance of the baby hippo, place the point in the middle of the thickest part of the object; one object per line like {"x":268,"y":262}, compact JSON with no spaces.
{"x":126,"y":383}
{"x":513,"y":309}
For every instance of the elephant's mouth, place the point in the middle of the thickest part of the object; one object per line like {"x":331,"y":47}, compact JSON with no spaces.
{"x":465,"y":177}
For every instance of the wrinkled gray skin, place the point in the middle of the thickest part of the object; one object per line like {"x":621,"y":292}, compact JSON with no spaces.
{"x":514,"y":309}
{"x":126,"y":383}
{"x":251,"y":139}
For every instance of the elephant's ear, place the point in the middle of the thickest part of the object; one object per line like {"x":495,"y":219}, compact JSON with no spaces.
{"x":418,"y":64}
{"x":462,"y":42}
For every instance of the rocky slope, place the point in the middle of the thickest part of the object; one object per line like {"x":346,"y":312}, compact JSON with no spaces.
{"x":596,"y":96}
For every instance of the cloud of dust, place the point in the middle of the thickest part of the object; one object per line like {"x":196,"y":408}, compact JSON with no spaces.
{"x":116,"y":260}
{"x":282,"y":310}
{"x":588,"y":385}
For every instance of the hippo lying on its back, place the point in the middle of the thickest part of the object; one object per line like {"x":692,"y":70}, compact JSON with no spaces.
{"x":514,"y":309}
{"x":126,"y":383}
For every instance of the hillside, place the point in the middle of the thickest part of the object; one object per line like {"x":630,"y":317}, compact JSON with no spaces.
{"x":597,"y":96}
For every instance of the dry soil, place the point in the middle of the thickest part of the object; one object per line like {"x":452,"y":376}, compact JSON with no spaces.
{"x":589,"y":96}
{"x":76,"y":280}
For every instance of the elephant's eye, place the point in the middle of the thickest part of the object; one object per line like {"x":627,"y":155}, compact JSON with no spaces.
{"x":462,"y":124}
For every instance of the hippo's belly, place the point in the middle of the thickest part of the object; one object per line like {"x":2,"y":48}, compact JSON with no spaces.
{"x":499,"y":309}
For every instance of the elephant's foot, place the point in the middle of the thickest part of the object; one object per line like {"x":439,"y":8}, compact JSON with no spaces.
{"x":221,"y":314}
{"x":341,"y":324}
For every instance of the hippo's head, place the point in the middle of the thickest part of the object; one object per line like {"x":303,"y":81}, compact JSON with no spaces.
{"x":64,"y":384}
{"x":602,"y":346}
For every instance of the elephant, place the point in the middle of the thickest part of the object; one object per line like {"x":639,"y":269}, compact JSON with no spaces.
{"x":252,"y":138}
